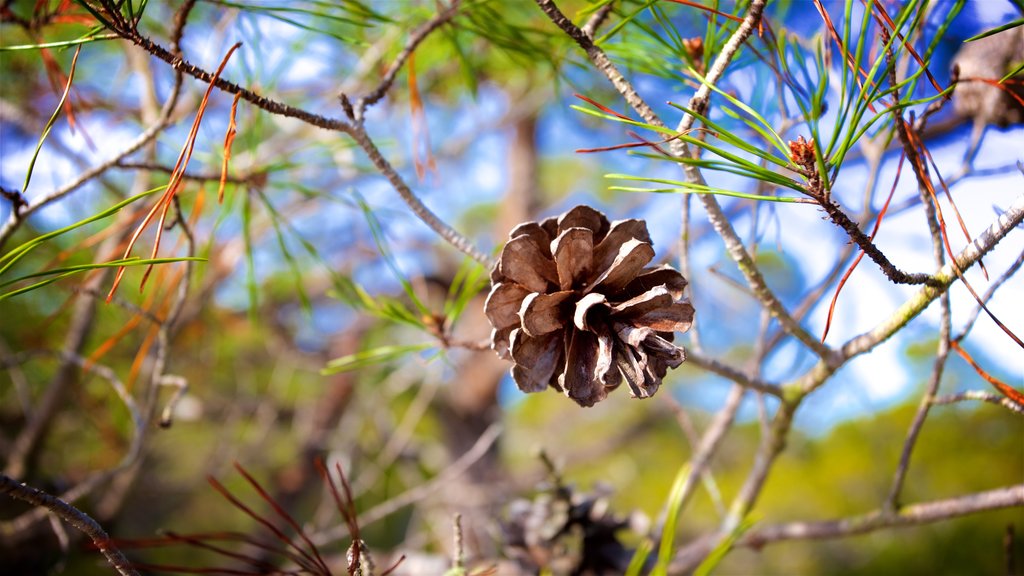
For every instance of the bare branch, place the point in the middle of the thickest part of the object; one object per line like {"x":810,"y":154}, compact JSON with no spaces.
{"x":1008,"y":497}
{"x":727,"y":371}
{"x":72,"y":516}
{"x":916,"y":304}
{"x":385,"y":509}
{"x":981,"y":395}
{"x":443,"y":230}
{"x":415,"y":38}
{"x":892,"y":501}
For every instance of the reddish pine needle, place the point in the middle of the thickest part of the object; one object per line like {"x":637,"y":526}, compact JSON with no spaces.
{"x":420,"y":130}
{"x":847,"y":56}
{"x":907,"y":45}
{"x":922,"y":170}
{"x":602,"y":107}
{"x":1003,"y":388}
{"x":163,"y":205}
{"x":878,"y":223}
{"x":229,"y":139}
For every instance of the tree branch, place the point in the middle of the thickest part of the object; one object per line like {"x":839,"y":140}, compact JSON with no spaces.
{"x":449,"y":234}
{"x":1010,"y":496}
{"x":417,"y":37}
{"x":916,"y":304}
{"x":913,"y":515}
{"x":72,"y":516}
{"x":733,"y":243}
{"x":737,"y":376}
{"x":981,"y":395}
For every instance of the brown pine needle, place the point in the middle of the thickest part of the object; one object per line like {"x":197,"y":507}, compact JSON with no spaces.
{"x":922,"y":170}
{"x":878,"y":223}
{"x":164,"y":204}
{"x":602,"y":107}
{"x":907,"y":45}
{"x":1003,"y":388}
{"x":420,"y":130}
{"x":229,"y":139}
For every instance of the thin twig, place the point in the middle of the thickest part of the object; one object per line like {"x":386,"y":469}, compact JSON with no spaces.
{"x":449,"y":234}
{"x":415,"y":38}
{"x":912,"y":515}
{"x":1010,"y":496}
{"x":207,"y":177}
{"x":969,"y":324}
{"x":982,"y":396}
{"x":710,"y":442}
{"x":892,"y":501}
{"x":72,"y":516}
{"x":737,"y":376}
{"x":597,"y":19}
{"x":385,"y":509}
{"x":894,"y":274}
{"x":357,"y":132}
{"x":272,"y":106}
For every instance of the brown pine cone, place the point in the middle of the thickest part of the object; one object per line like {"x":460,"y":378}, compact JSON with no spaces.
{"x":575,"y":308}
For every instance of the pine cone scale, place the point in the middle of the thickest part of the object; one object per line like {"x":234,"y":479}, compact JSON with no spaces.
{"x":573,"y":253}
{"x":544,"y":313}
{"x":665,"y":276}
{"x":631,"y":258}
{"x":607,"y":250}
{"x":579,"y":378}
{"x":537,"y":359}
{"x":523,"y":262}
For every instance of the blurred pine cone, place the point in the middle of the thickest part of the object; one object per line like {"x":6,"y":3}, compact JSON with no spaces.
{"x":564,"y":531}
{"x":575,"y":307}
{"x":990,"y":58}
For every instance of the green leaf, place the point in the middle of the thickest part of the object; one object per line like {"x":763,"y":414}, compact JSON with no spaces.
{"x":683,"y":187}
{"x":668,"y":534}
{"x":65,"y":271}
{"x":20,"y":251}
{"x":636,"y":564}
{"x":370,"y":358}
{"x":716,"y":556}
{"x":997,"y":30}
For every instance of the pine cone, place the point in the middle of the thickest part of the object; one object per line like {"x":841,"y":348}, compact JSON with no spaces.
{"x":575,"y":308}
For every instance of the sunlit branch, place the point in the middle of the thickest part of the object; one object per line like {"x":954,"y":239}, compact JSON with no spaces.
{"x":911,"y":515}
{"x":916,"y":304}
{"x":981,"y":396}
